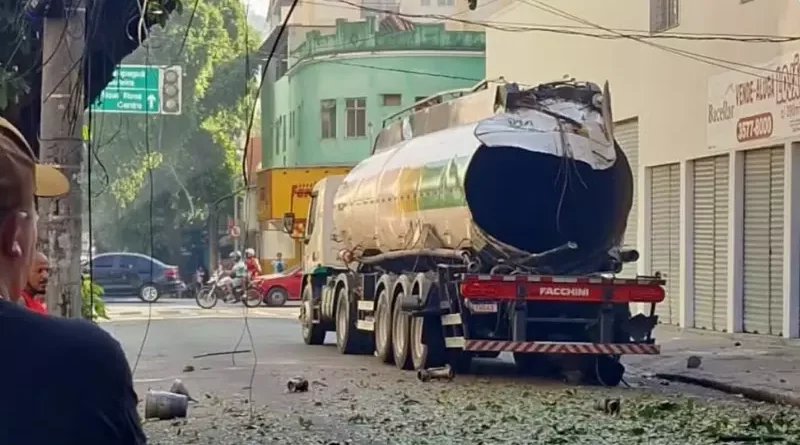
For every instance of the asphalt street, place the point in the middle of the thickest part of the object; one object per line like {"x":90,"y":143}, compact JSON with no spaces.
{"x":243,"y":399}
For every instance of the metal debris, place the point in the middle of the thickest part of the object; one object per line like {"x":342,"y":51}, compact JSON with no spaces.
{"x":443,"y":373}
{"x":297,"y":384}
{"x":608,"y":406}
{"x":179,"y":388}
{"x":165,"y":405}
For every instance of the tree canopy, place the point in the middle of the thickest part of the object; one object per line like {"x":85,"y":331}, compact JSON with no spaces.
{"x":173,"y":167}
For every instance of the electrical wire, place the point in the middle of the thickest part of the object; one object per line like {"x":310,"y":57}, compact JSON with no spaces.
{"x":709,"y":60}
{"x":245,"y":165}
{"x":150,"y":218}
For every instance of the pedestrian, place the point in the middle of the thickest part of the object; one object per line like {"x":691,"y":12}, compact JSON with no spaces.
{"x":36,"y":287}
{"x":278,"y":264}
{"x":65,"y":381}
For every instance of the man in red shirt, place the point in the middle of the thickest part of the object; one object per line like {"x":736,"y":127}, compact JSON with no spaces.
{"x":36,"y":286}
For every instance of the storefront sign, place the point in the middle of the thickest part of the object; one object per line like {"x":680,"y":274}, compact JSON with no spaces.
{"x":759,"y":104}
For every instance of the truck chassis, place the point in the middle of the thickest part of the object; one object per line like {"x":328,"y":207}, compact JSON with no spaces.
{"x":577,"y":327}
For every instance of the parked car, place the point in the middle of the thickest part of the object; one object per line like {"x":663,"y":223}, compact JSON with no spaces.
{"x":125,"y":274}
{"x":277,"y":288}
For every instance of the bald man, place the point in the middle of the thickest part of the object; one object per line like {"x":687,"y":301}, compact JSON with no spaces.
{"x":36,"y":286}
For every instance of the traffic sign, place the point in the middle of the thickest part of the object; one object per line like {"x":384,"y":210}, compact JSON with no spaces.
{"x":235,"y":231}
{"x":139,"y":89}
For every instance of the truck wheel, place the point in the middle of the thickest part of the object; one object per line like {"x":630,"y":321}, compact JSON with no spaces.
{"x":383,"y":327}
{"x":313,"y":333}
{"x":427,"y":343}
{"x":347,"y":336}
{"x":401,"y":336}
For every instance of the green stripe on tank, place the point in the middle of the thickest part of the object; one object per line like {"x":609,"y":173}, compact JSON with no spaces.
{"x":441,"y":185}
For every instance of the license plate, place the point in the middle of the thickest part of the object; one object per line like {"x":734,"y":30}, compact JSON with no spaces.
{"x":483,"y":308}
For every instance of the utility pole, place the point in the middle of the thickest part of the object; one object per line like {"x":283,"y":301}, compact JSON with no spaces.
{"x":60,"y":227}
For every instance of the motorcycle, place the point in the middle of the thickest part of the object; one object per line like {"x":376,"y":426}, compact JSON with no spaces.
{"x":220,"y":287}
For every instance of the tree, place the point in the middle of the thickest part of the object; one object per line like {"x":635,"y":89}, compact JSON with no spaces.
{"x":171,"y":167}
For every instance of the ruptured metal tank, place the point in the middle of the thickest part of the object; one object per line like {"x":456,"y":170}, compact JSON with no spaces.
{"x":540,"y":174}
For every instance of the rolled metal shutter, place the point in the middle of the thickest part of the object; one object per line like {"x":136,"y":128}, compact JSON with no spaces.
{"x":711,"y":176}
{"x":664,"y":249}
{"x":763,"y":241}
{"x":627,"y":135}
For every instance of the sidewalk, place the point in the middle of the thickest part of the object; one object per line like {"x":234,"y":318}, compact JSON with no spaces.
{"x":757,"y":364}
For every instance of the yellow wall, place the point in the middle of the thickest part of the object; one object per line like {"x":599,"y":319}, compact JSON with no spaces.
{"x":275,"y":189}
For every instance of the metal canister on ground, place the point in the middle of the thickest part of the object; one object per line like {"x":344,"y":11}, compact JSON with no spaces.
{"x":165,"y":405}
{"x":297,"y":384}
{"x":443,"y":373}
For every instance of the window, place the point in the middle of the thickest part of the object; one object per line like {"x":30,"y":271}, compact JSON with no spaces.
{"x":312,"y":214}
{"x":283,"y":133}
{"x":291,"y":124}
{"x":424,"y":2}
{"x":103,"y":261}
{"x":392,"y":100}
{"x":327,"y":118}
{"x":356,"y":117}
{"x":446,"y":2}
{"x":278,"y":136}
{"x":663,"y":15}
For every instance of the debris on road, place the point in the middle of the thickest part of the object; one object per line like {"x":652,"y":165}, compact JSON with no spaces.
{"x":693,"y":362}
{"x":609,"y":406}
{"x":165,"y":405}
{"x":188,"y":368}
{"x":443,"y":373}
{"x":297,"y":384}
{"x":179,"y":388}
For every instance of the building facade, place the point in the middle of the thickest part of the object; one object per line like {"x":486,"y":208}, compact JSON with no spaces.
{"x":336,"y":89}
{"x":711,"y":124}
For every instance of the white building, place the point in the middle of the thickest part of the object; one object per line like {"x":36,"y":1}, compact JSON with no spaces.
{"x":715,"y":143}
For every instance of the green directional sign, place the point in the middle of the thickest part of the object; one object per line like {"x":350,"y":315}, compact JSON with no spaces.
{"x":138,"y":89}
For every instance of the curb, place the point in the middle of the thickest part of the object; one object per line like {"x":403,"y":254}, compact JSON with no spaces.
{"x":758,"y":395}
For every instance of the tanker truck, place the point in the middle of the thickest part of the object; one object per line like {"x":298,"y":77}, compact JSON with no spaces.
{"x":489,"y":222}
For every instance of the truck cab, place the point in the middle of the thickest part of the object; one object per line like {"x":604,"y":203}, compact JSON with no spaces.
{"x":321,"y":248}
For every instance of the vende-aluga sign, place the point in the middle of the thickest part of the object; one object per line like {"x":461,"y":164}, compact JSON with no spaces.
{"x":764,"y":106}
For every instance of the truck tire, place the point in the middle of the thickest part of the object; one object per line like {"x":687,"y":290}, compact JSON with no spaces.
{"x":383,"y":327}
{"x":313,"y":333}
{"x":348,"y":339}
{"x":401,"y":336}
{"x":427,"y":343}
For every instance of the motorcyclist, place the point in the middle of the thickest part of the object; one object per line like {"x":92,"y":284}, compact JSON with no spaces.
{"x":253,"y":266}
{"x":239,"y":270}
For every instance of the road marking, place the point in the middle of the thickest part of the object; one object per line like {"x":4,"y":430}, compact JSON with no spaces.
{"x":122,"y":313}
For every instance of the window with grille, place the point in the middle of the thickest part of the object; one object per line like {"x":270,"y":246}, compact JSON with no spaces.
{"x":356,"y":117}
{"x":663,"y":15}
{"x":327,"y":118}
{"x":392,"y":100}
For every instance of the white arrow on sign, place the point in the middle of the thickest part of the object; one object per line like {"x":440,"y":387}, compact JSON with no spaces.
{"x":151,"y":101}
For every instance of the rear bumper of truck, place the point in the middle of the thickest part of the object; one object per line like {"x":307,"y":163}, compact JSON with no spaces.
{"x":515,"y":293}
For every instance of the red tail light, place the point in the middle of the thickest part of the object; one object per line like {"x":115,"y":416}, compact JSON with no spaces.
{"x":171,"y":272}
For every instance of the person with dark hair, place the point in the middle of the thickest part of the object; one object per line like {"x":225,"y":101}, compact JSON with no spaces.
{"x":65,"y":382}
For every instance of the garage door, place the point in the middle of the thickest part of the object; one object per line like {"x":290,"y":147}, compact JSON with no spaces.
{"x":763,"y":241}
{"x":627,"y":135}
{"x":711,"y":243}
{"x":664,"y":246}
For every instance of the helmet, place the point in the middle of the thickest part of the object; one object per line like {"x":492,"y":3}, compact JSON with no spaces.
{"x":250,"y":252}
{"x":235,"y":255}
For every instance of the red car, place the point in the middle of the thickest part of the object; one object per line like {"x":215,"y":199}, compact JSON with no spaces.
{"x":276,"y":289}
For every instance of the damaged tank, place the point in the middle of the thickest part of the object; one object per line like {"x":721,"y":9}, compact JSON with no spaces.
{"x":529,"y":179}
